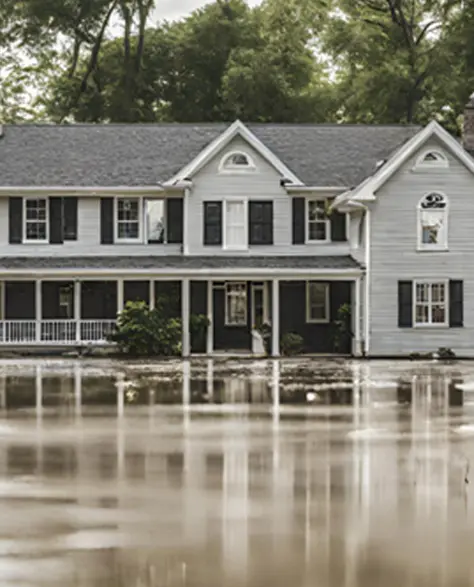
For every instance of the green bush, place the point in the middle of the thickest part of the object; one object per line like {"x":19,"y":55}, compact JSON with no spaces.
{"x":291,"y":344}
{"x":341,"y":328}
{"x":144,"y":332}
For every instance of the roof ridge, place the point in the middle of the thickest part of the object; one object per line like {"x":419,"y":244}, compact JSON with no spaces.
{"x":208,"y":125}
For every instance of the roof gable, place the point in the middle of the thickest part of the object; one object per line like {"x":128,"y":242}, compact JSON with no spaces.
{"x":366,"y":191}
{"x":220,"y":142}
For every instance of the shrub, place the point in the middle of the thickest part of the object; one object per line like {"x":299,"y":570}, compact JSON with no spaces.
{"x":444,"y":353}
{"x":291,"y":344}
{"x":144,"y":332}
{"x":341,"y":328}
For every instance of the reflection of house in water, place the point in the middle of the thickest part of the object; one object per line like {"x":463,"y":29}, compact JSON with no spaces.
{"x":305,"y":499}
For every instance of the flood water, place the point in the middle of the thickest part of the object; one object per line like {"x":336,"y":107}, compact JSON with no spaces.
{"x":207,"y":473}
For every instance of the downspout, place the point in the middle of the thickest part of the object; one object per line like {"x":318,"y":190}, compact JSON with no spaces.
{"x":367,"y":282}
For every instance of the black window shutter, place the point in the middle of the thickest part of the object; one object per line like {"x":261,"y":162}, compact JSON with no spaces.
{"x":299,"y":221}
{"x":174,"y":220}
{"x":55,"y":221}
{"x":70,"y":218}
{"x":106,"y":221}
{"x":456,"y":303}
{"x":338,"y":227}
{"x":261,"y":223}
{"x":15,"y":220}
{"x":405,"y":304}
{"x":212,"y":223}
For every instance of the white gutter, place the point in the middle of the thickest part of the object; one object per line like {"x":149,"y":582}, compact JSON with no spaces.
{"x":283,"y":274}
{"x":81,"y":190}
{"x":314,"y":189}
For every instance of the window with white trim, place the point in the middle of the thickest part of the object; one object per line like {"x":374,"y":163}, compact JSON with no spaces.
{"x":432,"y":159}
{"x":236,"y":304}
{"x":36,"y":219}
{"x":155,"y":221}
{"x":317,"y":302}
{"x":235,"y":227}
{"x":236,"y":161}
{"x":317,"y":221}
{"x":433,"y":222}
{"x":431,"y":304}
{"x":128,"y":219}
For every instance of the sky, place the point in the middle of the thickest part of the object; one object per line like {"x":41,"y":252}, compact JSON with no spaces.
{"x":174,"y":9}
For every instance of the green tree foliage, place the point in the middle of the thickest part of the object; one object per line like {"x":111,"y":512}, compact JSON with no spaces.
{"x":380,"y":61}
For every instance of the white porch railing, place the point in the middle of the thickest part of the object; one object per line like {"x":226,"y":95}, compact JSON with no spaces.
{"x":55,"y":331}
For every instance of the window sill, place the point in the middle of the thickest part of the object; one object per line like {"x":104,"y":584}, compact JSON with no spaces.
{"x":432,"y":249}
{"x":321,"y":242}
{"x":317,"y":321}
{"x":431,"y":327}
{"x":36,"y":242}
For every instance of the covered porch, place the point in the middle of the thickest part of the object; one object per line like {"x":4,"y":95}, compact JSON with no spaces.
{"x":57,"y":308}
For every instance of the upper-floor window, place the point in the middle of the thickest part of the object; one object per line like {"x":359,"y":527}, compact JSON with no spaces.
{"x":433,"y":222}
{"x":432,"y":159}
{"x":128,"y":213}
{"x":318,"y":224}
{"x":235,"y":224}
{"x":155,"y":221}
{"x":36,"y":219}
{"x":236,"y":161}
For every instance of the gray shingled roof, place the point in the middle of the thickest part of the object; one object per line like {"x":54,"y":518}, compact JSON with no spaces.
{"x":179,"y":262}
{"x":148,"y":154}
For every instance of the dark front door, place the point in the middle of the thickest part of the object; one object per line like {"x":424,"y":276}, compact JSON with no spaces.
{"x":232,"y":316}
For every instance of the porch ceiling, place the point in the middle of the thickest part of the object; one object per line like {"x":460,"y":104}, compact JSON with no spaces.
{"x":178,"y":263}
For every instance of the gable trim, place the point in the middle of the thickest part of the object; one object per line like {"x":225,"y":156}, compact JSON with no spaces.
{"x":365,"y":192}
{"x":238,"y":128}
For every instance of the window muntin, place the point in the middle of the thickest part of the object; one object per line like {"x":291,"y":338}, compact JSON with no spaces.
{"x":237,"y":161}
{"x":236,"y":304}
{"x":235,"y":224}
{"x":431,"y":304}
{"x":433,"y":222}
{"x":36,"y":219}
{"x":317,"y":221}
{"x":155,"y":221}
{"x":66,"y":301}
{"x":317,"y":302}
{"x":128,"y":219}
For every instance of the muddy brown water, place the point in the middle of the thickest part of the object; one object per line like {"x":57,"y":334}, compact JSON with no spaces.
{"x":291,"y":474}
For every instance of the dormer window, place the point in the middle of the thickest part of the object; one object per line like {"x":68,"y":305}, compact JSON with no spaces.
{"x":433,"y":222}
{"x":236,"y":161}
{"x":432,"y":159}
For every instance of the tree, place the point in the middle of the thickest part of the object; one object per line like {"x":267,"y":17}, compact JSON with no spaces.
{"x":389,"y":56}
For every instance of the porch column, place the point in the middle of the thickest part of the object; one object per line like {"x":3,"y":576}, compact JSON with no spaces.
{"x":77,"y":308}
{"x":39,"y":310}
{"x":210,"y":317}
{"x":119,"y":295}
{"x":151,"y":304}
{"x":275,"y":318}
{"x":185,"y":307}
{"x":356,"y":308}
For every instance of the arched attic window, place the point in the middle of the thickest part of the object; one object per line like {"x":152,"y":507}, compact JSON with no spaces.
{"x":236,"y":161}
{"x":433,"y":222}
{"x":432,"y":159}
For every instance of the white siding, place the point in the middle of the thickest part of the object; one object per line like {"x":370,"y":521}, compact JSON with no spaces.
{"x":88,"y":241}
{"x":394,"y":257}
{"x":262,"y":184}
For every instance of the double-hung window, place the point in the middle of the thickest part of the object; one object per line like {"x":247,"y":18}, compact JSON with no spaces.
{"x":318,"y":226}
{"x":235,"y":218}
{"x":36,"y":219}
{"x":317,"y":302}
{"x":128,"y":212}
{"x":155,"y":221}
{"x":431,"y":304}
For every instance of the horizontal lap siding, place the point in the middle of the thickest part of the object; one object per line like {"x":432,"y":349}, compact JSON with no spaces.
{"x":394,"y":257}
{"x":262,"y":184}
{"x":88,"y":241}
